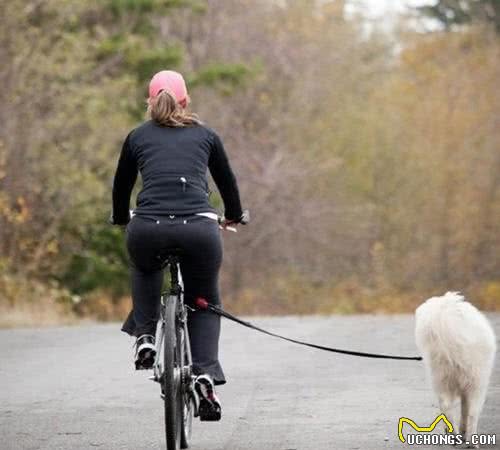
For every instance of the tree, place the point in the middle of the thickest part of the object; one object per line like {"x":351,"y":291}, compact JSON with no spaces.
{"x":464,"y":12}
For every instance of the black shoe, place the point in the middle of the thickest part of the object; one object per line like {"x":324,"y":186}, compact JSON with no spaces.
{"x":210,"y":407}
{"x":145,"y":352}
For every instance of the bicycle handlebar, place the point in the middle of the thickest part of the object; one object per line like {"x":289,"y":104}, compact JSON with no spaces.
{"x":244,"y":220}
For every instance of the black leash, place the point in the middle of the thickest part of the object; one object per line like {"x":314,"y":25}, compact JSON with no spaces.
{"x":201,"y":303}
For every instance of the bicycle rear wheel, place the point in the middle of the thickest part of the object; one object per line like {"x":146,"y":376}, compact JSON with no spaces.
{"x":187,"y":398}
{"x":171,"y":383}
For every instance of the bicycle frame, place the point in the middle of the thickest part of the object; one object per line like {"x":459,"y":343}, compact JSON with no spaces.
{"x":177,"y":290}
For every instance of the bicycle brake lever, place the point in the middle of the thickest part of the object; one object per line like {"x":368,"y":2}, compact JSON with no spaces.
{"x":233,"y":229}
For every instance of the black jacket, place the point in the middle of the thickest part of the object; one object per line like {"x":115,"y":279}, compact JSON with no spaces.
{"x":173,"y":163}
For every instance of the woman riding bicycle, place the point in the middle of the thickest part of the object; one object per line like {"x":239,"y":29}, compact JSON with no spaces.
{"x":173,"y":151}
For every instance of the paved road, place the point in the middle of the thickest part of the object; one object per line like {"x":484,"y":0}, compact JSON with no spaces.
{"x":74,"y":388}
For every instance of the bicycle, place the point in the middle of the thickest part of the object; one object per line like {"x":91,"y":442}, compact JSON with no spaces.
{"x":173,"y":363}
{"x":172,"y":367}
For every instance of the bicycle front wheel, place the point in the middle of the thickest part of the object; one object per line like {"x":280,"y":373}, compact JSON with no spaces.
{"x":171,"y":382}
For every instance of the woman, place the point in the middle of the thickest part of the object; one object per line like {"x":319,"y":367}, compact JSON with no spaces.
{"x":173,"y":151}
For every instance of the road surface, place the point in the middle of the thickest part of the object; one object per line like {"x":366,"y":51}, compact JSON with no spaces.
{"x":73,"y":388}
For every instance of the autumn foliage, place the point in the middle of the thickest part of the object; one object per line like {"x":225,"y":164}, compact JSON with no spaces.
{"x":370,"y":160}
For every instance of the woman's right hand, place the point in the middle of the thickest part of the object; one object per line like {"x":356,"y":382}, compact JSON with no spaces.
{"x":230,"y":225}
{"x":244,"y":219}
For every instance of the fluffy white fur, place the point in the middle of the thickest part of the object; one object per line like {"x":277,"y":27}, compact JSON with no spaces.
{"x":458,"y":346}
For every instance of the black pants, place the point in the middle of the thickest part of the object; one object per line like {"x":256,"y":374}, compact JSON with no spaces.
{"x":199,"y":241}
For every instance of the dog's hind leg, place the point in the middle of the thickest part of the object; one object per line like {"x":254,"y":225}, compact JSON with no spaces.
{"x":472,"y":403}
{"x":446,"y":406}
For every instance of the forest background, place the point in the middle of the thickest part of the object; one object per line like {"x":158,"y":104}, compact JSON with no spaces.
{"x":369,"y":157}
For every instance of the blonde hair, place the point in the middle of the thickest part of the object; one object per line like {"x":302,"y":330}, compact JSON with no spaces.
{"x":165,"y":111}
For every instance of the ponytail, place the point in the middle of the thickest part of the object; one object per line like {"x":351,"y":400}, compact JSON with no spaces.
{"x":165,"y":111}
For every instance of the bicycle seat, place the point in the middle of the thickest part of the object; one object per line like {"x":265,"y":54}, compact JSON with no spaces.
{"x":169,"y":256}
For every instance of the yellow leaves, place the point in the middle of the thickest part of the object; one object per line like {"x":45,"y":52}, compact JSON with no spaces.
{"x":488,"y":294}
{"x":52,"y":247}
{"x":428,"y":57}
{"x":21,"y":213}
{"x":26,"y":244}
{"x":16,"y":213}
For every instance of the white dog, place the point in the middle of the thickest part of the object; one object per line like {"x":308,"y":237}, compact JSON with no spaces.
{"x":458,"y":346}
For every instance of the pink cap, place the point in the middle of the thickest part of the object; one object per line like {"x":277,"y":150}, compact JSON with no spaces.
{"x":172,"y":82}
